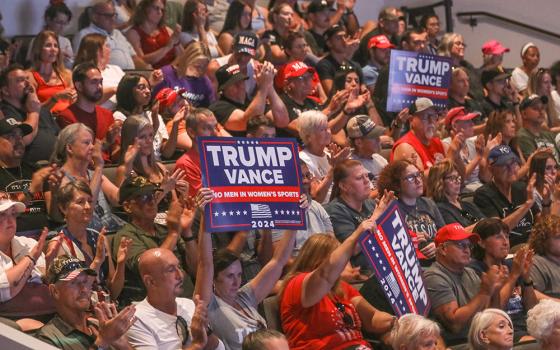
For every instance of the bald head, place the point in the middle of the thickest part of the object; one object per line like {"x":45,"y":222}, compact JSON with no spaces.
{"x":162,"y":275}
{"x":154,"y":260}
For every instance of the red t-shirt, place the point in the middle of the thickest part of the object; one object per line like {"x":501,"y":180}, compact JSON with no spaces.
{"x":98,"y":121}
{"x":429,"y":155}
{"x":190,"y":163}
{"x":153,"y":43}
{"x":321,"y":326}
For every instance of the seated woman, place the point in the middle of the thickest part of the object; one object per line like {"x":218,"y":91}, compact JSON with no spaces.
{"x":415,"y":332}
{"x":421,"y":213}
{"x":152,"y":40}
{"x":281,"y":16}
{"x":74,"y":153}
{"x":540,"y":83}
{"x":517,"y":295}
{"x":543,"y":323}
{"x":317,"y":309}
{"x":444,"y":187}
{"x":544,"y":239}
{"x":50,"y":78}
{"x":196,"y":27}
{"x":134,"y":97}
{"x":174,"y":109}
{"x":238,"y":19}
{"x":232,"y":308}
{"x":22,"y":260}
{"x":77,"y":240}
{"x":491,"y":329}
{"x":188,"y":72}
{"x":544,"y":165}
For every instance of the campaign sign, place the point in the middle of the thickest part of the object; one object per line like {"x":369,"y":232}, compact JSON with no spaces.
{"x":256,"y":183}
{"x":392,"y":255}
{"x":413,"y":75}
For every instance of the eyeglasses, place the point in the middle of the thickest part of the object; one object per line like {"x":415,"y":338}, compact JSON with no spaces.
{"x":413,"y":177}
{"x":145,"y":198}
{"x":460,"y":43}
{"x":107,"y":15}
{"x":182,"y":328}
{"x":454,"y":178}
{"x":463,"y":245}
{"x":346,"y":318}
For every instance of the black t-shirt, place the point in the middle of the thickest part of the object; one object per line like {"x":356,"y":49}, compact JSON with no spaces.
{"x":468,"y":215}
{"x":488,"y":106}
{"x":294,"y":110}
{"x":493,"y":203}
{"x":471,"y":106}
{"x":16,"y":182}
{"x":223,"y":108}
{"x":316,"y":42}
{"x":43,"y":144}
{"x":328,"y":66}
{"x":362,"y":55}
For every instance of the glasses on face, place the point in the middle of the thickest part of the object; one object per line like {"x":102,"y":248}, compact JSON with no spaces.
{"x":412,"y":178}
{"x":460,"y":43}
{"x":346,"y":318}
{"x":454,"y":178}
{"x":145,"y":198}
{"x":431,"y":117}
{"x":463,"y":245}
{"x":182,"y":328}
{"x":110,"y":15}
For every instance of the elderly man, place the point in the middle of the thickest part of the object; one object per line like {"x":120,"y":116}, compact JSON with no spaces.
{"x":455,"y":290}
{"x":164,"y":319}
{"x":20,"y":102}
{"x":421,"y":144}
{"x":70,"y":282}
{"x":102,"y":15}
{"x":138,"y":198}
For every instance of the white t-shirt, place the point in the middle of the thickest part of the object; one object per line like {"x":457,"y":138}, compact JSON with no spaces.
{"x":112,"y":75}
{"x":318,"y":166}
{"x":159,"y":135}
{"x":519,"y":79}
{"x":155,"y":329}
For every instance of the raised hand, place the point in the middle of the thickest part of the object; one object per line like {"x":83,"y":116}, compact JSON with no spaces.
{"x":383,"y":204}
{"x":170,"y":181}
{"x":531,"y":189}
{"x":491,"y":280}
{"x":203,"y":197}
{"x":337,"y":154}
{"x":199,"y":323}
{"x":156,"y":77}
{"x":113,"y":132}
{"x":122,"y":253}
{"x":36,"y":251}
{"x":97,"y":155}
{"x":32,"y":103}
{"x":100,"y":250}
{"x":132,"y":152}
{"x":112,"y":325}
{"x":52,"y":250}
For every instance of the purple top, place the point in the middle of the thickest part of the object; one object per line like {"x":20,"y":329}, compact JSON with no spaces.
{"x":200,"y":92}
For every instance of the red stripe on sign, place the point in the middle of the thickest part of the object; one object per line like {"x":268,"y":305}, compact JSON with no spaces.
{"x":234,"y":194}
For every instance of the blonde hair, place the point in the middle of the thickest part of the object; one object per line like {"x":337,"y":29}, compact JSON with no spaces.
{"x":535,"y":80}
{"x":195,"y":50}
{"x":410,"y":328}
{"x":435,"y":186}
{"x":447,"y":42}
{"x":37,"y":47}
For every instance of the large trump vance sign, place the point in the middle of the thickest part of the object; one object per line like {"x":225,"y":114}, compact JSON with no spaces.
{"x":256,"y":183}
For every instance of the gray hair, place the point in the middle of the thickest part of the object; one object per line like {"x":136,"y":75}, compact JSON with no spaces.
{"x":410,"y":328}
{"x":257,"y":339}
{"x":541,"y":319}
{"x":67,"y":137}
{"x":481,"y":322}
{"x":308,"y":122}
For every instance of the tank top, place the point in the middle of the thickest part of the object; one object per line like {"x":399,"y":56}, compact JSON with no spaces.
{"x":46,"y":91}
{"x":429,"y":155}
{"x":151,"y":43}
{"x":258,"y":22}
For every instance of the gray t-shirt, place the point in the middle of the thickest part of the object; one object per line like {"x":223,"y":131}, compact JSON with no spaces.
{"x":232,"y":325}
{"x":546,"y":276}
{"x":318,"y":221}
{"x":444,"y":286}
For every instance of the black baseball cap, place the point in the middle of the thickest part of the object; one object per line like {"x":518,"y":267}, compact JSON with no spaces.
{"x":529,"y":100}
{"x":229,"y":74}
{"x":134,"y":187}
{"x":66,"y":268}
{"x":7,"y":125}
{"x":317,"y":6}
{"x":332,"y":31}
{"x":246,"y":42}
{"x":492,"y":74}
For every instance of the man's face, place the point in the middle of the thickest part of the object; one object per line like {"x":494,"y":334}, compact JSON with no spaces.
{"x":143,"y":206}
{"x":236,"y":91}
{"x":336,"y":43}
{"x":367,"y":145}
{"x":320,"y":19}
{"x":457,"y":253}
{"x":265,"y":132}
{"x":535,"y":114}
{"x":416,"y":43}
{"x":17,"y":86}
{"x":75,"y":294}
{"x":302,"y":85}
{"x":464,"y":126}
{"x":11,"y":145}
{"x":424,"y":123}
{"x":381,"y":56}
{"x":92,"y":87}
{"x":432,"y":27}
{"x":497,"y":87}
{"x":170,"y":275}
{"x":104,"y":17}
{"x":8,"y":225}
{"x":206,"y":126}
{"x":460,"y":84}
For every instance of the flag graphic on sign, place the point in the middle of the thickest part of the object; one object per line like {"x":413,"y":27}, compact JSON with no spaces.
{"x":394,"y":285}
{"x":260,"y":211}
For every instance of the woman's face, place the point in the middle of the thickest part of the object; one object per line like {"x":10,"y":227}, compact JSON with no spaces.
{"x":154,"y":12}
{"x":357,"y":184}
{"x":80,"y":209}
{"x":146,"y":140}
{"x":246,"y":17}
{"x":284,"y":18}
{"x":299,"y":49}
{"x":228,"y":281}
{"x":496,"y":246}
{"x":412,"y":184}
{"x":352,"y":82}
{"x":103,"y":55}
{"x":198,"y":67}
{"x":426,"y":342}
{"x":458,"y":47}
{"x":500,"y":333}
{"x":50,"y":50}
{"x":531,"y":58}
{"x":545,"y":86}
{"x":452,"y":184}
{"x":322,"y":135}
{"x":142,"y":93}
{"x":551,"y":168}
{"x":82,"y":147}
{"x":57,"y":23}
{"x":508,"y":130}
{"x":8,"y":225}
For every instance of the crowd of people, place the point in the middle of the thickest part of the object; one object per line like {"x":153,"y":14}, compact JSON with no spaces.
{"x":102,"y":241}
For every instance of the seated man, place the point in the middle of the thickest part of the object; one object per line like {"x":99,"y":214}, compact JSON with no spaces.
{"x":421,"y":143}
{"x":233,"y":109}
{"x":138,"y":198}
{"x":165,"y":320}
{"x":455,"y":290}
{"x":72,"y":328}
{"x":533,"y":135}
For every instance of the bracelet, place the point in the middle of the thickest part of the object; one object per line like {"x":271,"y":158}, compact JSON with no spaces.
{"x":32,"y":259}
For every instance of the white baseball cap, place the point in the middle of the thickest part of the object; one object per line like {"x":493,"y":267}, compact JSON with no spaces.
{"x":6,"y":204}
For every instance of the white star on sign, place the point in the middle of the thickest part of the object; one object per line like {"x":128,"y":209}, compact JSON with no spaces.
{"x":244,"y":212}
{"x":384,"y":269}
{"x":216,"y":213}
{"x":297,"y":212}
{"x":276,"y":212}
{"x":282,"y":212}
{"x":224,"y":213}
{"x":231,"y":213}
{"x":238,"y":213}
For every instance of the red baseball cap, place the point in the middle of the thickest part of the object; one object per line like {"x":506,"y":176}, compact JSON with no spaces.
{"x":454,"y":232}
{"x":296,"y":69}
{"x":493,"y":47}
{"x":458,"y":113}
{"x":168,"y":96}
{"x":380,"y":42}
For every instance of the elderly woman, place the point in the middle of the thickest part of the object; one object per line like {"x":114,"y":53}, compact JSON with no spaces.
{"x":415,"y":332}
{"x":421,"y":213}
{"x":153,"y":41}
{"x":517,"y":295}
{"x":317,"y":309}
{"x":232,"y":308}
{"x":506,"y":198}
{"x":50,"y":78}
{"x":238,"y":19}
{"x":491,"y":329}
{"x":23,"y":296}
{"x":196,"y":27}
{"x":77,"y":240}
{"x":444,"y":187}
{"x":545,"y":241}
{"x":74,"y":153}
{"x":543,"y":323}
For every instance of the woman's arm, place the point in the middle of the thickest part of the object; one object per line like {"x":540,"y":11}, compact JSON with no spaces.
{"x":205,"y":270}
{"x":170,"y":145}
{"x":225,"y":42}
{"x":379,"y":322}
